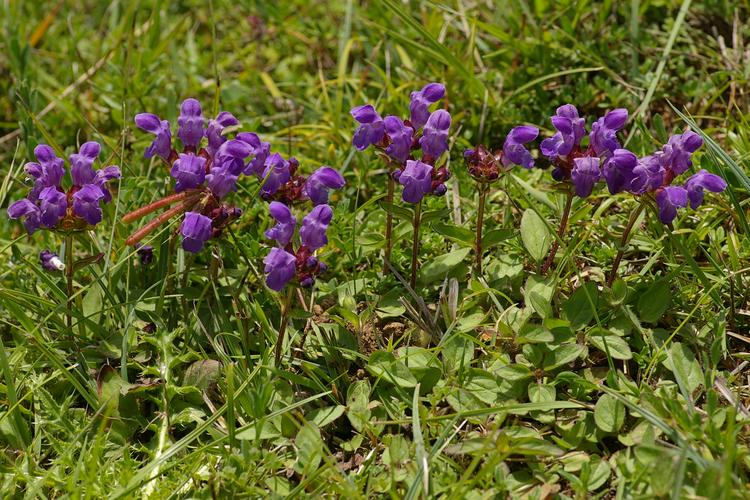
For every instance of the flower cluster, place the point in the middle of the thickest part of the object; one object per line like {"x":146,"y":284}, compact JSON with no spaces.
{"x":49,"y":206}
{"x":486,"y":166}
{"x":283,"y":263}
{"x":399,"y":139}
{"x":584,"y":168}
{"x":207,"y":171}
{"x":656,"y":173}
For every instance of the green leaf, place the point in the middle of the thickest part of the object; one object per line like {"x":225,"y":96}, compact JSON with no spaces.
{"x":686,"y":369}
{"x":654,"y":302}
{"x":535,"y":235}
{"x":538,"y":294}
{"x":385,"y":365}
{"x":324,"y":416}
{"x":562,"y":355}
{"x":357,"y":403}
{"x":455,"y":233}
{"x":439,"y":267}
{"x":617,"y":346}
{"x":309,"y":449}
{"x":609,"y":413}
{"x":495,"y":236}
{"x":580,"y":307}
{"x":397,"y":211}
{"x":458,"y":351}
{"x":534,"y":334}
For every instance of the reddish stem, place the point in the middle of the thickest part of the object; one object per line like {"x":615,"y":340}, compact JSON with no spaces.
{"x":152,"y":207}
{"x":560,"y":233}
{"x":158,"y":221}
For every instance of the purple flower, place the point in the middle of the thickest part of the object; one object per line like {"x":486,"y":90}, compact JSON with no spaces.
{"x":320,"y":181}
{"x":216,"y":127}
{"x":286,"y":223}
{"x":196,"y":231}
{"x":189,"y":171}
{"x":86,"y":203}
{"x":276,"y":174}
{"x":231,"y":156}
{"x":417,"y":181}
{"x":513,"y":149}
{"x":190,"y":123}
{"x":52,"y":204}
{"x":603,"y":137}
{"x":81,"y":163}
{"x":434,"y":139}
{"x":678,"y":149}
{"x":29,"y":211}
{"x":162,"y":145}
{"x":421,"y":101}
{"x":371,"y":128}
{"x":50,"y":261}
{"x":401,"y":138}
{"x":585,"y":174}
{"x":648,"y":175}
{"x":618,"y":170}
{"x":280,"y":268}
{"x":668,"y":200}
{"x":221,"y":181}
{"x":570,"y":130}
{"x":258,"y":150}
{"x":48,"y":172}
{"x":103,"y":175}
{"x":314,"y":227}
{"x":700,"y":181}
{"x":146,"y":253}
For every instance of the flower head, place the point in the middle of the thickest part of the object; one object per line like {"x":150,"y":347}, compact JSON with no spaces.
{"x":603,"y":136}
{"x":668,"y":199}
{"x":585,"y":175}
{"x":700,"y":181}
{"x":215,"y":129}
{"x":570,"y":130}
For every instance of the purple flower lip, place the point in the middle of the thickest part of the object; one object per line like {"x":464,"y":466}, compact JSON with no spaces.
{"x":51,"y":261}
{"x":196,"y":231}
{"x":421,"y":101}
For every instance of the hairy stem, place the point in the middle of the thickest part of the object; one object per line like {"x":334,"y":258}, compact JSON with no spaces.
{"x":389,"y":223}
{"x":415,"y":244}
{"x":478,"y":251}
{"x":560,"y":233}
{"x":286,"y":309}
{"x":624,"y":241}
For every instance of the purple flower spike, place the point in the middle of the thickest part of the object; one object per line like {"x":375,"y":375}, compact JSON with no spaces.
{"x":81,"y":163}
{"x":320,"y":181}
{"x":434,"y":139}
{"x":513,"y":148}
{"x":618,"y":170}
{"x":603,"y":137}
{"x":371,"y":129}
{"x":700,"y":181}
{"x":29,"y":211}
{"x":678,"y":149}
{"x":50,"y":261}
{"x":190,"y":122}
{"x":189,"y":171}
{"x":668,"y":200}
{"x":585,"y":174}
{"x":196,"y":231}
{"x":86,"y":203}
{"x":216,"y":127}
{"x":314,"y":227}
{"x":417,"y":181}
{"x":280,"y":268}
{"x":162,"y":145}
{"x":276,"y":174}
{"x":421,"y":101}
{"x":259,"y":150}
{"x":570,"y":130}
{"x":401,"y":137}
{"x":283,"y":231}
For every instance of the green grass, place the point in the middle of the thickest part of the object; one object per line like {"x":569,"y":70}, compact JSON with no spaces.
{"x":509,"y":384}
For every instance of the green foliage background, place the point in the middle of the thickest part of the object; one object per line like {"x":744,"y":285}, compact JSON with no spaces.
{"x":510,"y":385}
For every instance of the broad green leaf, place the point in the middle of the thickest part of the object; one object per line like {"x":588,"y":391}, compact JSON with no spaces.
{"x":357,"y":403}
{"x":609,"y":413}
{"x":617,"y":346}
{"x":455,"y":233}
{"x":384,"y":364}
{"x":535,"y":235}
{"x":654,"y":301}
{"x":324,"y":416}
{"x":580,"y":307}
{"x":538,"y":294}
{"x":439,"y":267}
{"x":686,"y":369}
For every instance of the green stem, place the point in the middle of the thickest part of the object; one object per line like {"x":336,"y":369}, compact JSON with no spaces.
{"x":560,"y":233}
{"x":624,"y":241}
{"x":480,"y":224}
{"x":285,"y":310}
{"x":415,"y":245}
